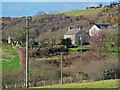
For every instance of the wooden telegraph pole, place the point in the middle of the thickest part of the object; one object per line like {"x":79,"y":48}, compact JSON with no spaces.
{"x":61,"y":66}
{"x":27,"y":52}
{"x":81,"y":43}
{"x":81,"y":39}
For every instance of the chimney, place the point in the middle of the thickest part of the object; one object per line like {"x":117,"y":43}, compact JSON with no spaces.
{"x":80,"y":27}
{"x":70,"y":28}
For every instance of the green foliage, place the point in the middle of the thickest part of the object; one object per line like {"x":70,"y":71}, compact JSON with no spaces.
{"x":8,"y":48}
{"x":100,"y":5}
{"x":78,"y":48}
{"x":66,"y":42}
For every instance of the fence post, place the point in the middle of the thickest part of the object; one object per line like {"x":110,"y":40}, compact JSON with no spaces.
{"x":81,"y":79}
{"x":6,"y":86}
{"x":15,"y":85}
{"x":70,"y":80}
{"x":52,"y":82}
{"x":115,"y":76}
{"x":22,"y":85}
{"x":44,"y":83}
{"x":91,"y":81}
{"x":37,"y":84}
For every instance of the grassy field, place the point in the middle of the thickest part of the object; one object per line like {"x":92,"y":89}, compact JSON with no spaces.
{"x":79,"y":12}
{"x":95,"y":84}
{"x":84,"y":47}
{"x":10,"y":58}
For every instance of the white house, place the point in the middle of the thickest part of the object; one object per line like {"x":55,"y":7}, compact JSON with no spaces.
{"x":98,"y":27}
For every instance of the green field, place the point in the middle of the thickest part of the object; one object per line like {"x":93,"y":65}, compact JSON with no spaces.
{"x":78,"y":12}
{"x":10,"y":58}
{"x":84,"y":47}
{"x":95,"y":84}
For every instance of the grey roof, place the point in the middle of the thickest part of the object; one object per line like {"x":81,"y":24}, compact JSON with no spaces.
{"x":102,"y":25}
{"x":72,"y":31}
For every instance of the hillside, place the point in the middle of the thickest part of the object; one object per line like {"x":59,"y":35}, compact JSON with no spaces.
{"x":10,"y":58}
{"x":45,"y":41}
{"x":80,"y":12}
{"x":56,"y":25}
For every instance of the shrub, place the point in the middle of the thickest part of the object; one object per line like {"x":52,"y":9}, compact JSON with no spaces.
{"x":95,"y":69}
{"x":42,"y":70}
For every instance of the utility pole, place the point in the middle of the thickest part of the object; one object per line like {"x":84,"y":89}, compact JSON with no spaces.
{"x":61,"y":66}
{"x":81,"y":42}
{"x":27,"y":52}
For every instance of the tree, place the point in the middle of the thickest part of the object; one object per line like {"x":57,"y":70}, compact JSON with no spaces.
{"x":98,"y":43}
{"x":66,"y":42}
{"x":100,"y":5}
{"x":41,"y":41}
{"x":87,"y":7}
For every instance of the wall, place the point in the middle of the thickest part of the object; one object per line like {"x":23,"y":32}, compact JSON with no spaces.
{"x":93,"y":30}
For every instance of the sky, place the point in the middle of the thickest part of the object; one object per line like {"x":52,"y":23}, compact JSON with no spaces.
{"x":58,"y":0}
{"x":20,"y":9}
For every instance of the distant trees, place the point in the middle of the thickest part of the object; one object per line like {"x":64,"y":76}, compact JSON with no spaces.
{"x":51,"y":12}
{"x":41,"y":13}
{"x":6,"y":18}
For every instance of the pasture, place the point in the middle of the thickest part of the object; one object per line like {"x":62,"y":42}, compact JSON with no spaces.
{"x":96,"y":84}
{"x":79,"y":12}
{"x":10,"y":58}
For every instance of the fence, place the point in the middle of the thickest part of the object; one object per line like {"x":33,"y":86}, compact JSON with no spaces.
{"x":46,"y":83}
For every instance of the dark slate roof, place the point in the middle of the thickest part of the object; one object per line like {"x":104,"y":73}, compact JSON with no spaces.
{"x":102,"y":25}
{"x":72,"y":31}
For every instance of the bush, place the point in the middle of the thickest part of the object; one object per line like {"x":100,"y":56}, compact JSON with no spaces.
{"x":42,"y":70}
{"x":66,"y":42}
{"x":95,"y":69}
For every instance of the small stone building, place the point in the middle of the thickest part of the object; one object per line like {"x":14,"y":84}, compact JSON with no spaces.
{"x":75,"y":34}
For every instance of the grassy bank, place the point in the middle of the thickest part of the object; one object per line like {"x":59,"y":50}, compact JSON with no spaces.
{"x":79,"y":12}
{"x":84,"y":47}
{"x":95,"y":84}
{"x":10,"y":58}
